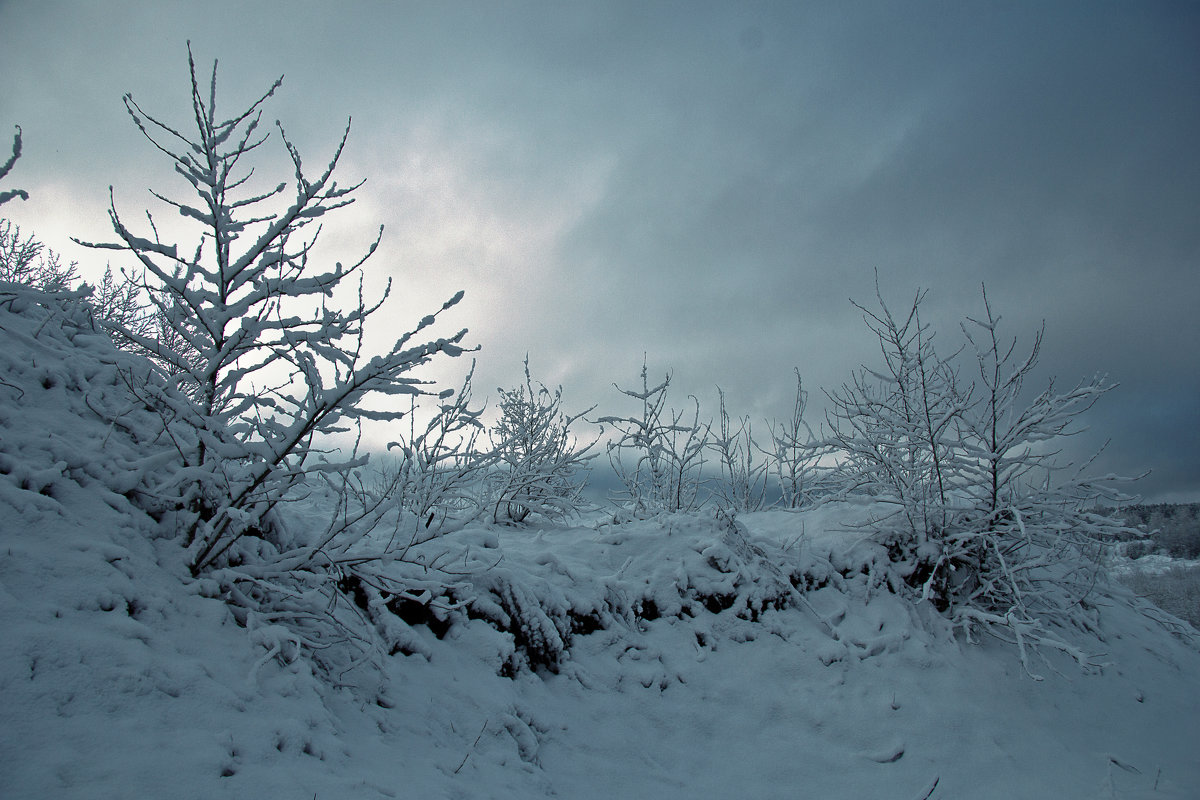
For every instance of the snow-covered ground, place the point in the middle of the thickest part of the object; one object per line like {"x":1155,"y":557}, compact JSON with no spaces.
{"x":1152,"y":564}
{"x":668,"y":658}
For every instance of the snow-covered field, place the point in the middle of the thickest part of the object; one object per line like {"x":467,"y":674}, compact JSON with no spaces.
{"x":677,"y":657}
{"x":1152,"y":564}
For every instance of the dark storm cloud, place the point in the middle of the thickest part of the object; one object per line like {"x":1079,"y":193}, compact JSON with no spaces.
{"x":705,"y":183}
{"x":1042,"y":150}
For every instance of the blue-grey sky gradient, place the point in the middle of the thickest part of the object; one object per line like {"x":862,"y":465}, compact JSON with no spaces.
{"x":706,"y":183}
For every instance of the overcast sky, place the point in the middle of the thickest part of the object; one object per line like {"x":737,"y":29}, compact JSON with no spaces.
{"x":705,"y":183}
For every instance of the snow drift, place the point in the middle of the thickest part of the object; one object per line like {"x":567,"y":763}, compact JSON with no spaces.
{"x":688,"y":655}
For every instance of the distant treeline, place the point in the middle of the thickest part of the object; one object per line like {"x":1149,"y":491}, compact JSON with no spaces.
{"x":1173,"y":529}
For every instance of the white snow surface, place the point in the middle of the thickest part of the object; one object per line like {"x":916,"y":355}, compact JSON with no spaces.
{"x":682,"y":661}
{"x":1151,"y":564}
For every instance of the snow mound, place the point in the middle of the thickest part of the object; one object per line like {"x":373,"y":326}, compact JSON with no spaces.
{"x":547,"y":588}
{"x":686,"y":656}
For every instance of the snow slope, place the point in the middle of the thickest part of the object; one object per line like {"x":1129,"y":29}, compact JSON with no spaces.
{"x":671,"y":658}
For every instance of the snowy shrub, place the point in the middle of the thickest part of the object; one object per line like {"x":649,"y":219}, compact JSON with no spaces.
{"x":985,"y":524}
{"x":658,"y":455}
{"x":264,"y":358}
{"x":566,"y":584}
{"x":541,"y":466}
{"x":793,"y":452}
{"x":121,"y":305}
{"x":439,"y":476}
{"x":892,"y":428}
{"x":743,"y":482}
{"x":7,"y":166}
{"x":28,"y":261}
{"x":1136,"y":549}
{"x":117,"y":301}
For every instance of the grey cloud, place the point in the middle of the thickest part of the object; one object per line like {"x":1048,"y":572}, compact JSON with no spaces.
{"x":739,"y":172}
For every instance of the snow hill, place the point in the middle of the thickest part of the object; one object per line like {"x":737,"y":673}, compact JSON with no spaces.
{"x":679,"y":657}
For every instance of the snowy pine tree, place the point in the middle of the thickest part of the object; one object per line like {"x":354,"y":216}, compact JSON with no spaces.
{"x":264,"y":361}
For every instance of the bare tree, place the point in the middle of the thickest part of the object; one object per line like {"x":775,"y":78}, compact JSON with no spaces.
{"x":894,"y":429}
{"x":439,"y":479}
{"x":117,"y":302}
{"x":1027,"y":549}
{"x":988,"y":524}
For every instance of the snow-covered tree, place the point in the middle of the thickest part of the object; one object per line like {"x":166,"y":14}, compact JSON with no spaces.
{"x":894,"y":430}
{"x":541,"y":465}
{"x":118,"y":302}
{"x":264,"y":351}
{"x":122,"y":304}
{"x":1027,"y":548}
{"x":658,"y":455}
{"x":1004,"y":437}
{"x":986,"y":522}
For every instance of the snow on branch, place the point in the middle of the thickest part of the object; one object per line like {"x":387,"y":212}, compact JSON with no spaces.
{"x":542,"y":466}
{"x":989,"y":525}
{"x":260,"y":378}
{"x":7,"y":166}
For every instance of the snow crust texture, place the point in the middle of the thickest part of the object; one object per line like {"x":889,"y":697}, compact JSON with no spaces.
{"x":685,"y":656}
